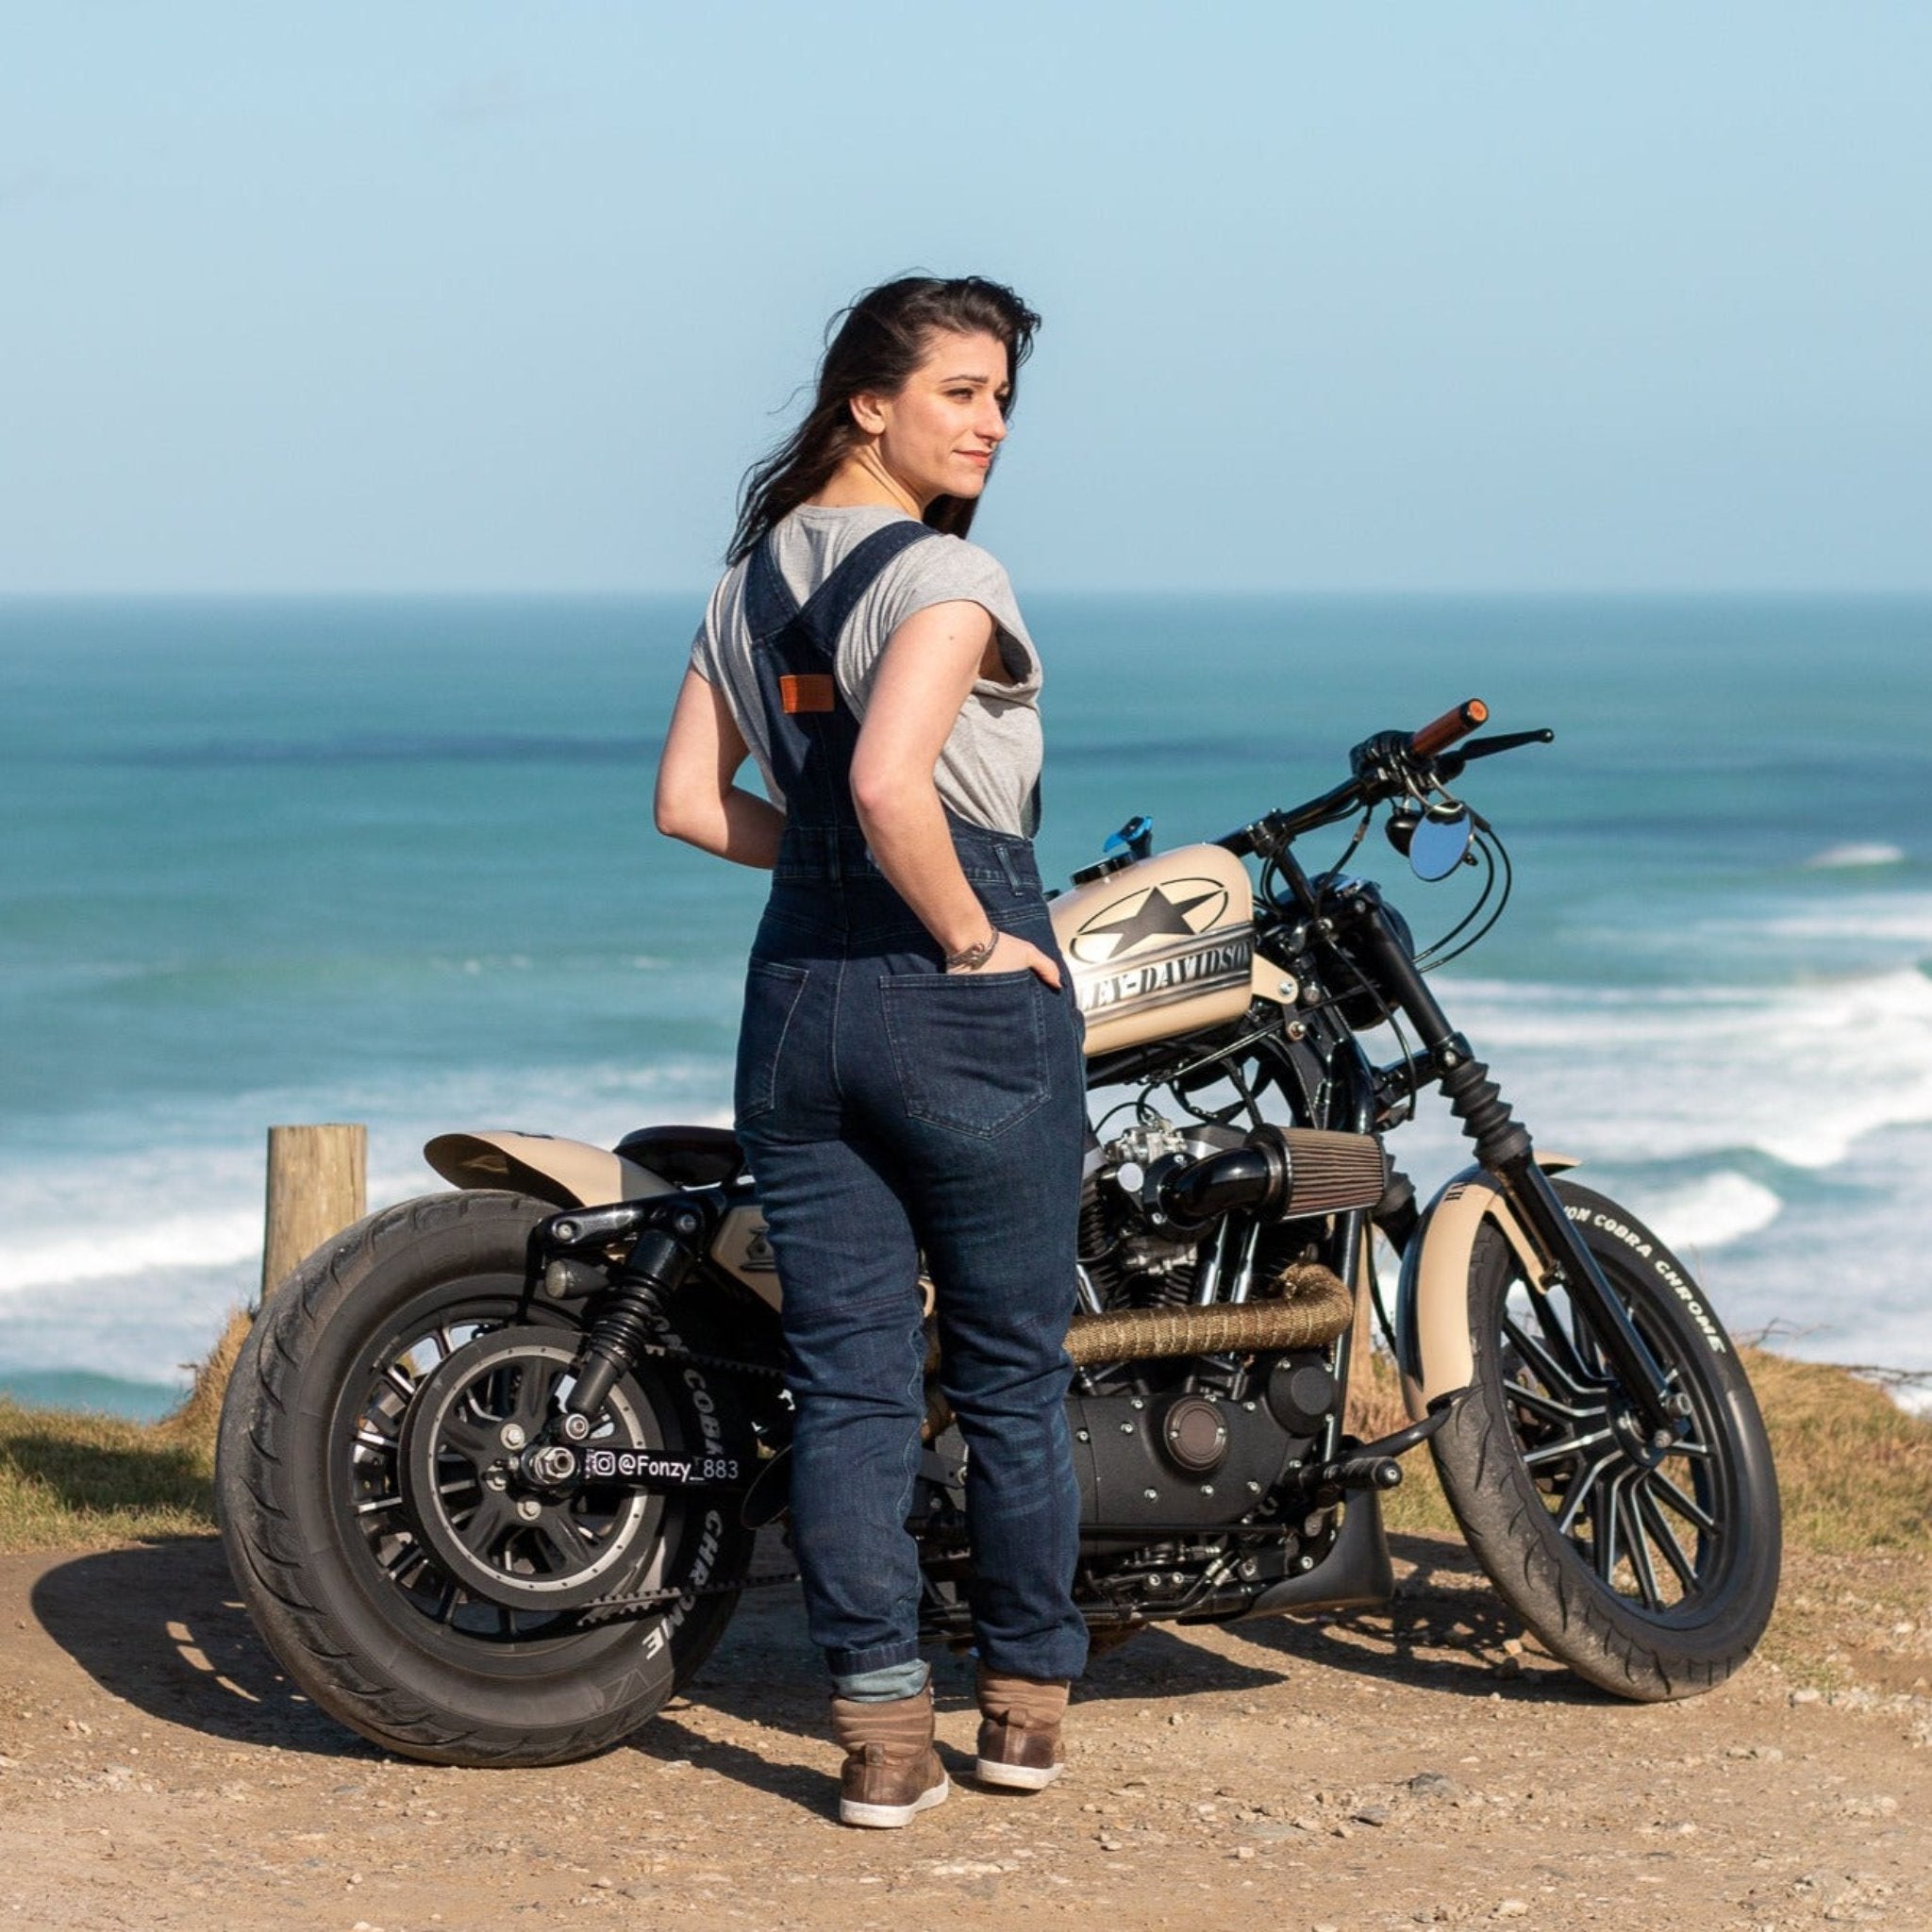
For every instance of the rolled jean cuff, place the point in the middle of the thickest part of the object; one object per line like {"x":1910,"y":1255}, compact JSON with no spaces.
{"x":1061,"y":1659}
{"x":843,"y":1662}
{"x":889,"y":1684}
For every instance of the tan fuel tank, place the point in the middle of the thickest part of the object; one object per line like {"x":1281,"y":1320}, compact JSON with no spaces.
{"x":1160,"y":947}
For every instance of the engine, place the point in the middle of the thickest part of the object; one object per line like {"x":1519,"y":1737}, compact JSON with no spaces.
{"x":1158,"y":1199}
{"x":1131,"y":1261}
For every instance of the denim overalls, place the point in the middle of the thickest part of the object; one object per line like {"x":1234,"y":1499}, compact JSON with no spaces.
{"x":890,"y":1110}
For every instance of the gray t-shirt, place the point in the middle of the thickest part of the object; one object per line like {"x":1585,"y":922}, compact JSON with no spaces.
{"x":990,"y":768}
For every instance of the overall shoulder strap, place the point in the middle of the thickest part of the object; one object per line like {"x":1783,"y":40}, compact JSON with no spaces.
{"x":769,"y":603}
{"x":827,"y":609}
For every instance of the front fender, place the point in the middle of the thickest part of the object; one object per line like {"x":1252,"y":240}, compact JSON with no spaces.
{"x":1432,"y":1334}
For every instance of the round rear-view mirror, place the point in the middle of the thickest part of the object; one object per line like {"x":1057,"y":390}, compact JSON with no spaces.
{"x":1439,"y":841}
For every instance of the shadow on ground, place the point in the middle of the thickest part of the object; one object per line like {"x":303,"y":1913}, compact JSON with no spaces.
{"x":1445,"y":1631}
{"x":162,"y":1626}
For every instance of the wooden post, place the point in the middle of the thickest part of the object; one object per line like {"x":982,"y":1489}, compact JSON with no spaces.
{"x":317,"y":1185}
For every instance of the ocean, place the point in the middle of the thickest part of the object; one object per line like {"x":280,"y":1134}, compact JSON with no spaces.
{"x":393,"y":862}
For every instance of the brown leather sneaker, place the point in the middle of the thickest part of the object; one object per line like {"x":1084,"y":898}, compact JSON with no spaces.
{"x":892,"y":1771}
{"x":1020,"y":1731}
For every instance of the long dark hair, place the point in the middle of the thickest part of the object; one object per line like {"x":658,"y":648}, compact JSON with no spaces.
{"x":878,"y":343}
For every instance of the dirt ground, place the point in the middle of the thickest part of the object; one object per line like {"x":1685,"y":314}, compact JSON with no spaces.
{"x":1367,"y":1771}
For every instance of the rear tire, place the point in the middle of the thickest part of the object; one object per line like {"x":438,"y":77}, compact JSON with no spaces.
{"x":310,"y":1479}
{"x":1651,"y":1576}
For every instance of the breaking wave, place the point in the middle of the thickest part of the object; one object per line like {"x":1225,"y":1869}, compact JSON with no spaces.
{"x":1854,"y":856}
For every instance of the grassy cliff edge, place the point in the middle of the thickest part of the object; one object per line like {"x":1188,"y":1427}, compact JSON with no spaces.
{"x":1856,"y":1470}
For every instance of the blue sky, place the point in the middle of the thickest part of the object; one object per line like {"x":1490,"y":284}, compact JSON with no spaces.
{"x":1404,"y":297}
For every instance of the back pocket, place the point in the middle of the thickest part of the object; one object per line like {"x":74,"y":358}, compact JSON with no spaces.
{"x":969,"y":1048}
{"x":772,"y":992}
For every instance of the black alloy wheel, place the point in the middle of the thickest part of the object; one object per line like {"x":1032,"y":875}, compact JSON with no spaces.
{"x":395,"y":1606}
{"x":1648,"y":1566}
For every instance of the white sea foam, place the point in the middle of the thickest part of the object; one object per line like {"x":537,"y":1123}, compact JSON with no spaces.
{"x":178,"y":1240}
{"x":1712,"y":1213}
{"x":1856,"y":856}
{"x":1901,"y":922}
{"x":149,"y":1326}
{"x":1846,"y":930}
{"x":1800,"y":1074}
{"x":126,"y":1256}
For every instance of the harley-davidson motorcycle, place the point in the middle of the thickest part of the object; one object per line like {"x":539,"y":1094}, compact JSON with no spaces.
{"x":493,"y":1461}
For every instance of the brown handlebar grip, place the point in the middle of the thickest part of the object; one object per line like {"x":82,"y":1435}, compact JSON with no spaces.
{"x":1441,"y":733}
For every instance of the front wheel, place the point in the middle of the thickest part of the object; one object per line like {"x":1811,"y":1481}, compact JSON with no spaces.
{"x":1650,"y":1571}
{"x":385,"y":1538}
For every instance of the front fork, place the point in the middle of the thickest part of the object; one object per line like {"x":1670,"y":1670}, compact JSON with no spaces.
{"x":1502,"y":1147}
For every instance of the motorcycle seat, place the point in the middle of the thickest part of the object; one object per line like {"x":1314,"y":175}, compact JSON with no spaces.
{"x":686,"y":1156}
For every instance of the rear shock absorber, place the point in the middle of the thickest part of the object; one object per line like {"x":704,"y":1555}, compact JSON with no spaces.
{"x":669,"y":1244}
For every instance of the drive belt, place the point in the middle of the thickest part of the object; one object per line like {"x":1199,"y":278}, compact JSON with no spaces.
{"x":612,"y":1609}
{"x":644,"y":1603}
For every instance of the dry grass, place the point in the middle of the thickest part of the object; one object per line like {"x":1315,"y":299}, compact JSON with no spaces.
{"x":76,"y":1481}
{"x":1376,"y":1408}
{"x":1856,"y":1471}
{"x":1855,"y":1468}
{"x":192,"y":1426}
{"x":84,"y":1482}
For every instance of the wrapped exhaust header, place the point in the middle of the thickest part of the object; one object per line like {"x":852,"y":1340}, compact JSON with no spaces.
{"x":1312,"y":1309}
{"x":1310,"y":1306}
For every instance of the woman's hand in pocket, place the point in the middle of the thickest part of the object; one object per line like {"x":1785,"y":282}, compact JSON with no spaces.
{"x":1011,"y":954}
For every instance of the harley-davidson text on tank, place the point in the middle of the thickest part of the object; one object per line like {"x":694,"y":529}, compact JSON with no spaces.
{"x":1160,"y":947}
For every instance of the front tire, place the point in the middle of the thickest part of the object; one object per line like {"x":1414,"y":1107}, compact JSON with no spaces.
{"x":312,"y":1482}
{"x":1650,"y":1575}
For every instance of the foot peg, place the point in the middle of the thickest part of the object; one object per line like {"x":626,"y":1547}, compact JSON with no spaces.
{"x":1373,"y":1465}
{"x":1356,"y":1472}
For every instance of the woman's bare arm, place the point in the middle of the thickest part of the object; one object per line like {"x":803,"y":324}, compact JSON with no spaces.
{"x":924,"y":678}
{"x":696,"y":799}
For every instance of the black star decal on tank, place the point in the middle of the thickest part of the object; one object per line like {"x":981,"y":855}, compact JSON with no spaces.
{"x":1156,"y":917}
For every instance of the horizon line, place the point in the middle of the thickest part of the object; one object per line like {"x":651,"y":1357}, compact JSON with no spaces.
{"x":1211,"y":593}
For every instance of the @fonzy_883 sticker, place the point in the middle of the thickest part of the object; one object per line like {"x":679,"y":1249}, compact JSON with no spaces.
{"x":654,"y":1468}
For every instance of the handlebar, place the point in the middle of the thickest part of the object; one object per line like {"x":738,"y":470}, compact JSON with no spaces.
{"x":1384,"y":765}
{"x":1441,"y":733}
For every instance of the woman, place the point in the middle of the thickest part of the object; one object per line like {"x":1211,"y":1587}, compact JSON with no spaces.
{"x":909,"y":1079}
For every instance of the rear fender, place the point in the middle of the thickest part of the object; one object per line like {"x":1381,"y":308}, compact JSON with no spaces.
{"x":1432,"y":1329}
{"x":569,"y":1174}
{"x":573,"y":1174}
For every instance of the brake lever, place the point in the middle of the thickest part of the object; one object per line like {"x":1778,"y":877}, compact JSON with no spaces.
{"x":1449,"y":765}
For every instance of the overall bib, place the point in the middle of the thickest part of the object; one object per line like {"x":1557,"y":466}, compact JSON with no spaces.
{"x":890,"y":1110}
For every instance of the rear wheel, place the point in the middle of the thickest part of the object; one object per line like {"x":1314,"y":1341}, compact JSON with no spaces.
{"x":406,"y":1586}
{"x":1650,"y":1571}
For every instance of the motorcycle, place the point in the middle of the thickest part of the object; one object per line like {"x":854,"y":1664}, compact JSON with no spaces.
{"x":492,"y":1464}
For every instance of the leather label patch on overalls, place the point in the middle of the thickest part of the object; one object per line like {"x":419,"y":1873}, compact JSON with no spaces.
{"x":808,"y":691}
